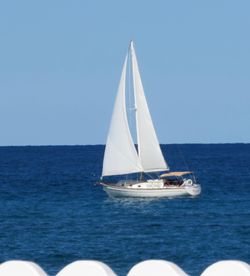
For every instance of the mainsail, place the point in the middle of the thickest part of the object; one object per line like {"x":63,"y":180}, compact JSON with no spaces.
{"x":120,"y":155}
{"x":148,"y":146}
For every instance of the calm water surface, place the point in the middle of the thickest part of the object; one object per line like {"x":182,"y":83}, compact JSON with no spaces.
{"x":52,"y":213}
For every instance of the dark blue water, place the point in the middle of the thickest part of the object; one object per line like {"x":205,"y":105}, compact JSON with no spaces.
{"x":51,"y":213}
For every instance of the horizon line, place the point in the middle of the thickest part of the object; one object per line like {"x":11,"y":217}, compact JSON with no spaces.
{"x":82,"y":145}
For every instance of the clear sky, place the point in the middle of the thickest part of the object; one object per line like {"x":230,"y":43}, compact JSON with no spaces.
{"x":60,"y":64}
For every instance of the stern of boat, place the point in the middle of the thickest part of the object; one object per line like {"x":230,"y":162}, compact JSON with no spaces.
{"x":193,"y":190}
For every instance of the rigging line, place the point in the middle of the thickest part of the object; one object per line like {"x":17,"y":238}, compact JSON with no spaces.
{"x":93,"y":168}
{"x":149,"y":175}
{"x":183,"y":157}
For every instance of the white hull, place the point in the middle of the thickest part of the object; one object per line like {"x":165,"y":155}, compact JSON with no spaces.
{"x":118,"y":191}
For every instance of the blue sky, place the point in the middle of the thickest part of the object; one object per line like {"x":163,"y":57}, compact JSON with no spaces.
{"x":60,"y":64}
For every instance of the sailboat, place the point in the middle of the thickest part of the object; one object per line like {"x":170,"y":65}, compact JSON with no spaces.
{"x":122,"y":157}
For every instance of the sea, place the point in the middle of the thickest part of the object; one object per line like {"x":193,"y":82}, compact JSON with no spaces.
{"x":52,"y":211}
